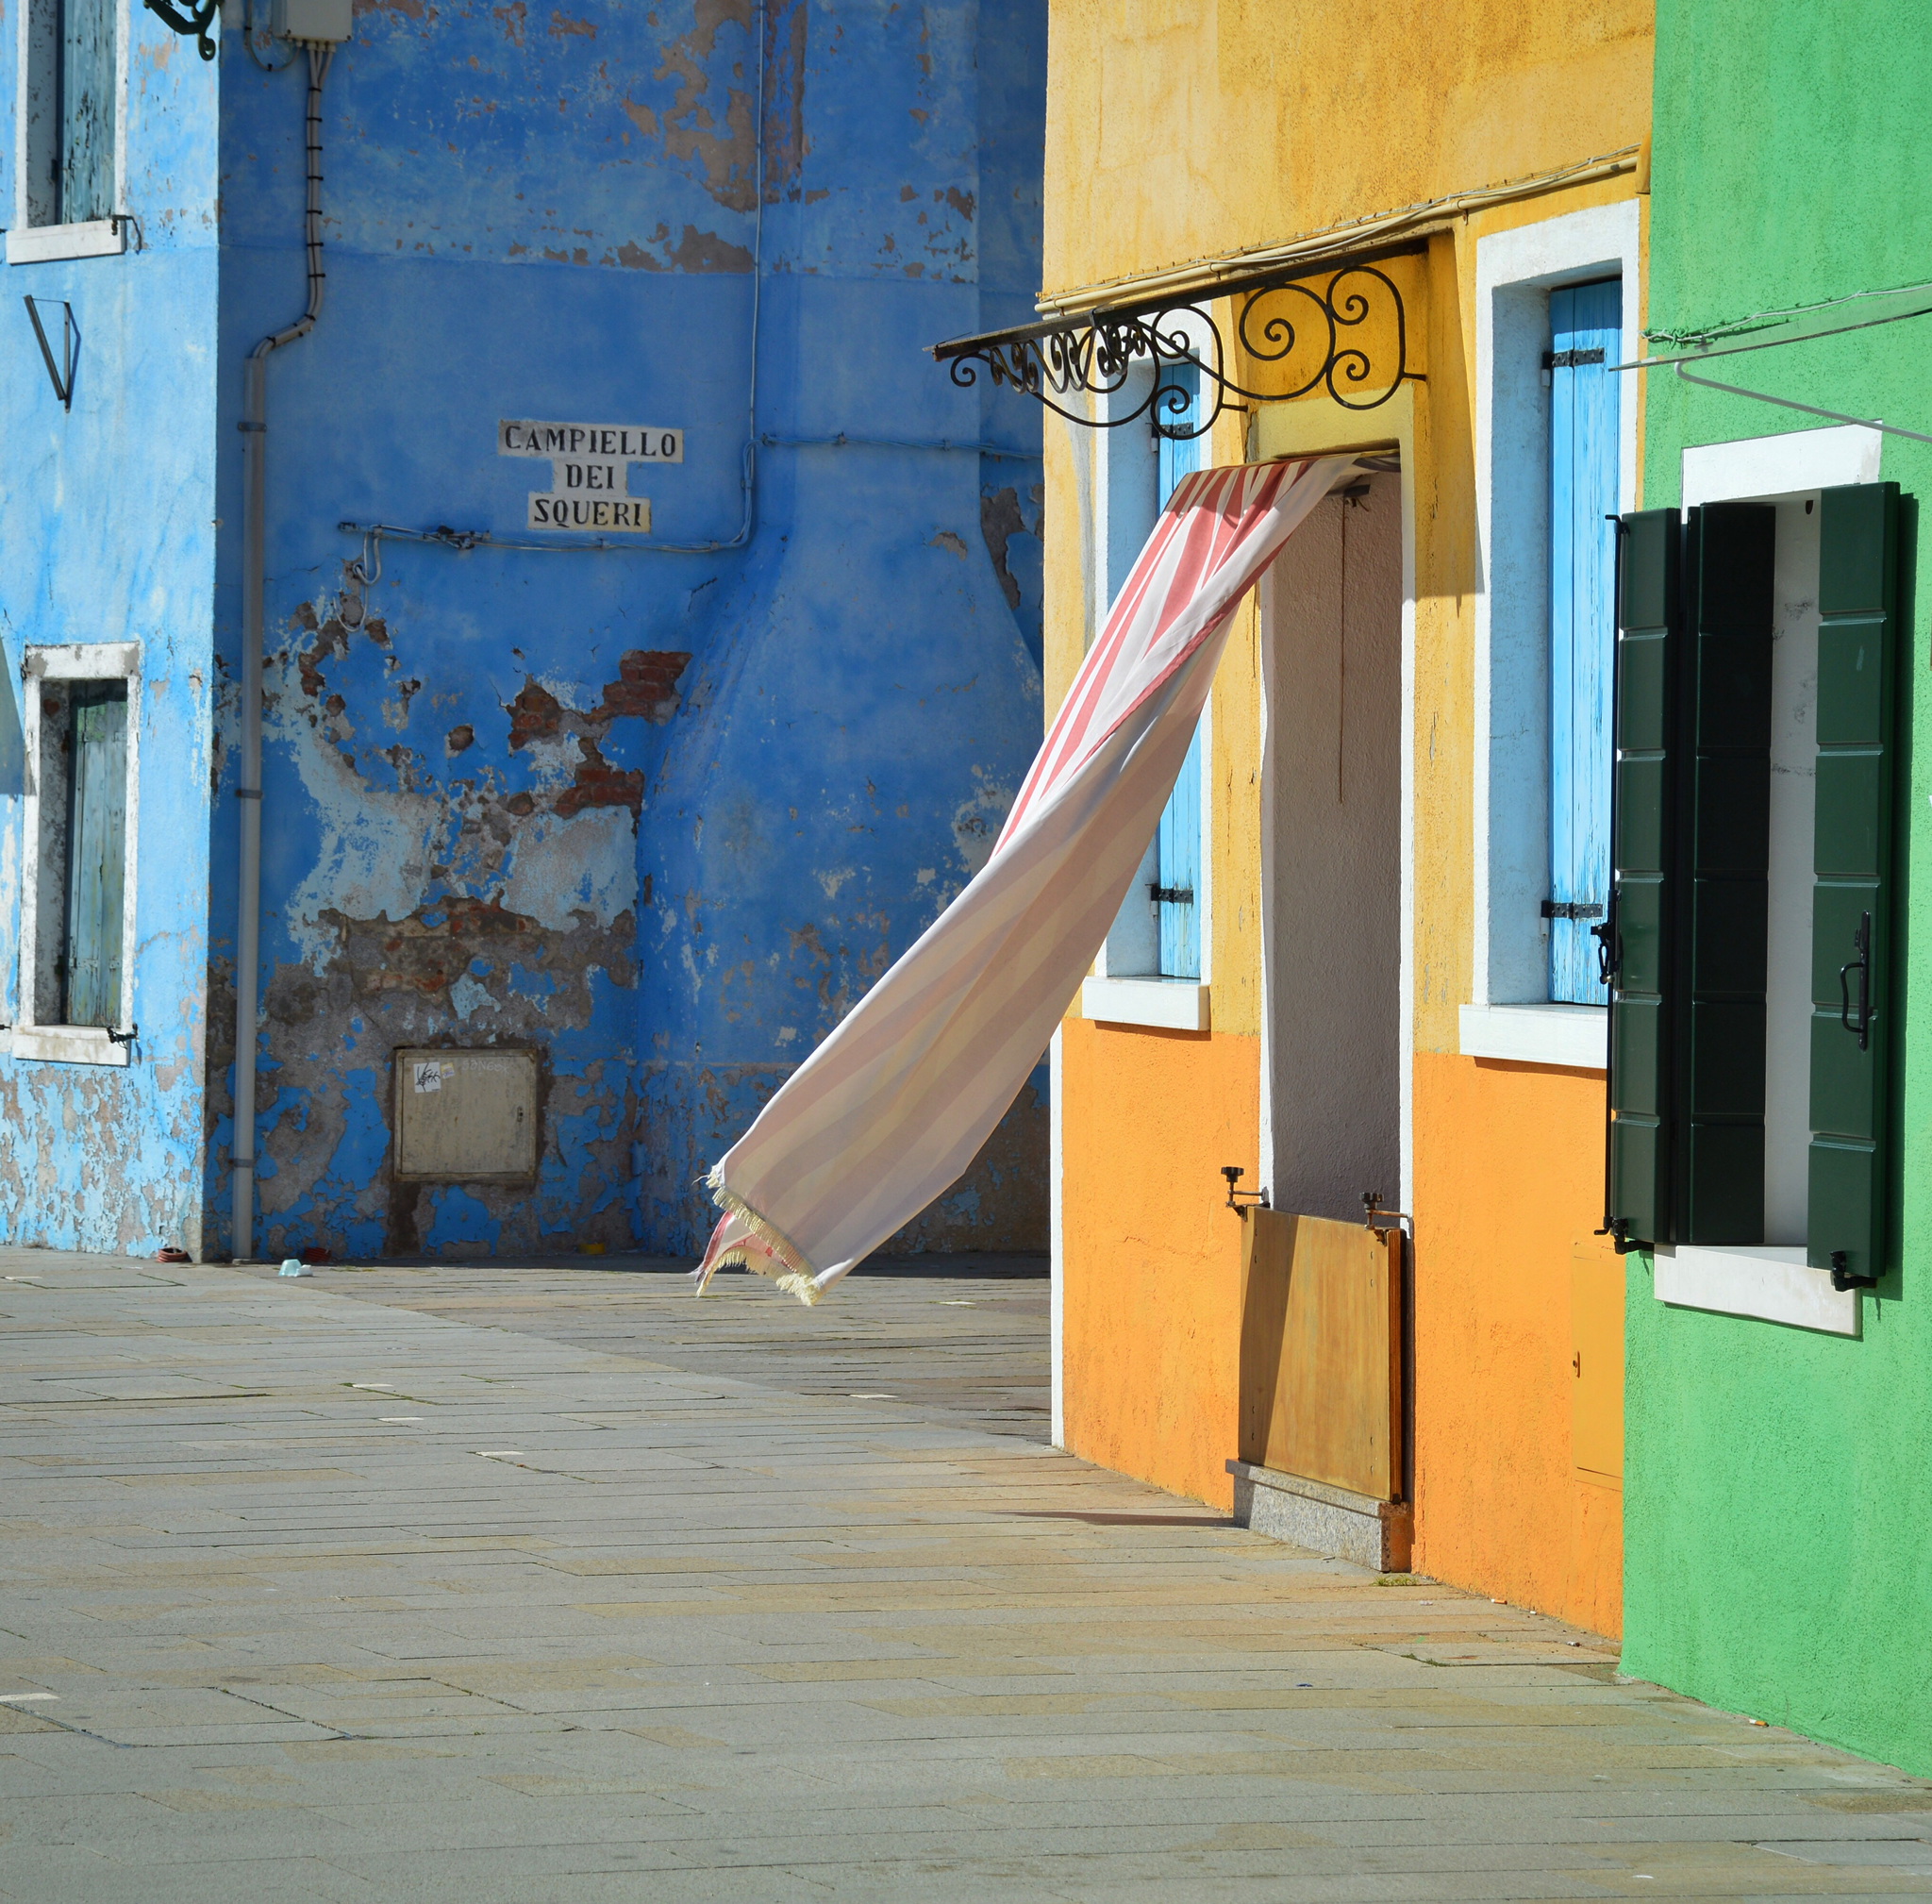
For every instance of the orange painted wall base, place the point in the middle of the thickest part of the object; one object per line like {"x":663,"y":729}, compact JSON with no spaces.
{"x":1509,"y":1181}
{"x":1151,"y":1253}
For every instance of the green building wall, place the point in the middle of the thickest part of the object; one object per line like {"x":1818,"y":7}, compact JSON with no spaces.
{"x":1778,"y":1547}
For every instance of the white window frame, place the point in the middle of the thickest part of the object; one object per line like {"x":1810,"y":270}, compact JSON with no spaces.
{"x":1124,"y":990}
{"x":1765,"y":1281}
{"x":92,"y":238}
{"x":75,"y":661}
{"x":1509,"y":1015}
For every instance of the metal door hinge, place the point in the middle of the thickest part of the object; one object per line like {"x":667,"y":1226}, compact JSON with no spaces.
{"x":1172,"y":896}
{"x":1842,"y":1277}
{"x":1569,"y":359}
{"x":1571,"y":909}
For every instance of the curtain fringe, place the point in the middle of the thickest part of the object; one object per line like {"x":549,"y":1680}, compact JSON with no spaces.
{"x":778,"y":1257}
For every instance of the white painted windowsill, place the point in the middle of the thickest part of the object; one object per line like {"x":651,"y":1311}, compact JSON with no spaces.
{"x":67,"y":1045}
{"x":1166,"y":1003}
{"x":1766,"y":1281}
{"x":44,"y":243}
{"x":1576,"y":1036}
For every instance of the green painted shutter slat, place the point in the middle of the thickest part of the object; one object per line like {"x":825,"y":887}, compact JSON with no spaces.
{"x":97,"y":837}
{"x":1858,"y":665}
{"x":1723,"y":851}
{"x":1643,"y":798}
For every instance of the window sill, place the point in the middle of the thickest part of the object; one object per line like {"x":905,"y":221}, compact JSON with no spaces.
{"x":1166,"y":1003}
{"x":1573,"y":1036}
{"x":46,"y":244}
{"x":67,"y":1045}
{"x":1762,"y":1281}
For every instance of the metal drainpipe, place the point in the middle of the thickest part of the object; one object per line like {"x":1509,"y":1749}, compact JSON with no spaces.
{"x":254,"y":426}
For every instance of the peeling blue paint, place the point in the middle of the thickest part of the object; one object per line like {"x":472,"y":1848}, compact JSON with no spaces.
{"x":660,"y":818}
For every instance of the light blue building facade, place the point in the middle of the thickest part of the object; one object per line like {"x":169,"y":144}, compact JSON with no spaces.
{"x":649,"y":640}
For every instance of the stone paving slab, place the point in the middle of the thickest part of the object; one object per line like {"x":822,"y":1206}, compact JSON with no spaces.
{"x":543,"y":1582}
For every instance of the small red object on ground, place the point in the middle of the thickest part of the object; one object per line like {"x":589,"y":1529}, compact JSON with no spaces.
{"x":315,"y":1255}
{"x":173,"y":1256}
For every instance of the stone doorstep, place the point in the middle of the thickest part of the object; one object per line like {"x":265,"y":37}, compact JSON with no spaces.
{"x":1326,"y":1520}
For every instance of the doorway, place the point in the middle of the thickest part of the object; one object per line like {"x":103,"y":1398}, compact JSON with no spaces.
{"x":1333,"y":920}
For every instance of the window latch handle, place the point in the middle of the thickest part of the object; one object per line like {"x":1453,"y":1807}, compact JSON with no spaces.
{"x":1862,"y":944}
{"x":1609,"y":947}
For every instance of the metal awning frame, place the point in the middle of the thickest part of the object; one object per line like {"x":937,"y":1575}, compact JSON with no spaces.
{"x":1916,"y":302}
{"x":1097,"y":353}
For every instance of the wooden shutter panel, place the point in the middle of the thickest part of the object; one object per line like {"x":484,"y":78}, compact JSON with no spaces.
{"x":89,"y":29}
{"x":1585,"y":333}
{"x":1725,"y":846}
{"x":96,"y":848}
{"x":1177,"y":853}
{"x":1853,"y":1019}
{"x":1641,"y":922}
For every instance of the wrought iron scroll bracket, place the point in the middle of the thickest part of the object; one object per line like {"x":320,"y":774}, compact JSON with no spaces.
{"x":1345,"y":331}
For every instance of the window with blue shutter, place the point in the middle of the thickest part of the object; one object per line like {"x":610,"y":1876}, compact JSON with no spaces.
{"x":97,"y":852}
{"x":1585,"y":329}
{"x":68,"y":131}
{"x":1178,"y":852}
{"x":87,"y":110}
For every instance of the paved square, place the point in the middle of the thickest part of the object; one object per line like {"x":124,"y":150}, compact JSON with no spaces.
{"x":544,"y":1582}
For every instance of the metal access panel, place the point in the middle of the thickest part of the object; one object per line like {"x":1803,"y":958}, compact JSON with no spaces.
{"x":466,"y":1116}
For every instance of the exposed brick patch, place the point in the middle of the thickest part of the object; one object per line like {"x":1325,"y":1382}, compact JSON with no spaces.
{"x":600,"y":784}
{"x":646,"y":685}
{"x":536,"y":714}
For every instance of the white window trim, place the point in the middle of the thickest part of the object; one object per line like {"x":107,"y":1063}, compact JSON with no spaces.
{"x":1164,"y":1004}
{"x":75,"y":661}
{"x":93,"y":238}
{"x":1764,"y":1281}
{"x":1573,"y":1036}
{"x":1511,"y":844}
{"x":1760,"y":1282}
{"x":1150,"y":998}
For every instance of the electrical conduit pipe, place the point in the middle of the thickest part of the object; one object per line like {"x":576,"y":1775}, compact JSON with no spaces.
{"x":254,"y":427}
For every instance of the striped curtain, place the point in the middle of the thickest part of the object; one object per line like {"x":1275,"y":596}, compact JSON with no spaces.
{"x":893,"y":1107}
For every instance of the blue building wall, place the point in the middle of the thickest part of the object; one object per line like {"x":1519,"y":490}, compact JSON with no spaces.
{"x":662,"y":816}
{"x":106,"y":535}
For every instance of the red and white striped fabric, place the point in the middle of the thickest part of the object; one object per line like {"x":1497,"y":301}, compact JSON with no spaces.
{"x":891,"y":1108}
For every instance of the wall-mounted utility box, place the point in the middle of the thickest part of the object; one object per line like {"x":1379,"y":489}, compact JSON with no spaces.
{"x":326,"y":21}
{"x":466,"y":1116}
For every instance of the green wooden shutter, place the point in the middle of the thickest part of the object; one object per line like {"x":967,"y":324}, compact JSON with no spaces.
{"x":1852,"y":992}
{"x":1724,"y":846}
{"x":1649,"y":597}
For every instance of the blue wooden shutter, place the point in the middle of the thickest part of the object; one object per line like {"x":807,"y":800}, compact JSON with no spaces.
{"x":97,"y":852}
{"x":1855,"y":1018}
{"x":1179,"y":849}
{"x":87,"y":110}
{"x":1586,"y":330}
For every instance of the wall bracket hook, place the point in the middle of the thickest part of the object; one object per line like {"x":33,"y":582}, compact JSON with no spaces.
{"x":1242,"y":1202}
{"x":60,"y":374}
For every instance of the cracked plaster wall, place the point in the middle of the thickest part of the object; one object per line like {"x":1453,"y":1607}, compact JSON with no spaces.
{"x":106,"y":536}
{"x":661,"y":818}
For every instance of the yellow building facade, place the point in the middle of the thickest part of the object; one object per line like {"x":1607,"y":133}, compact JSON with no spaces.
{"x":1367,"y":1013}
